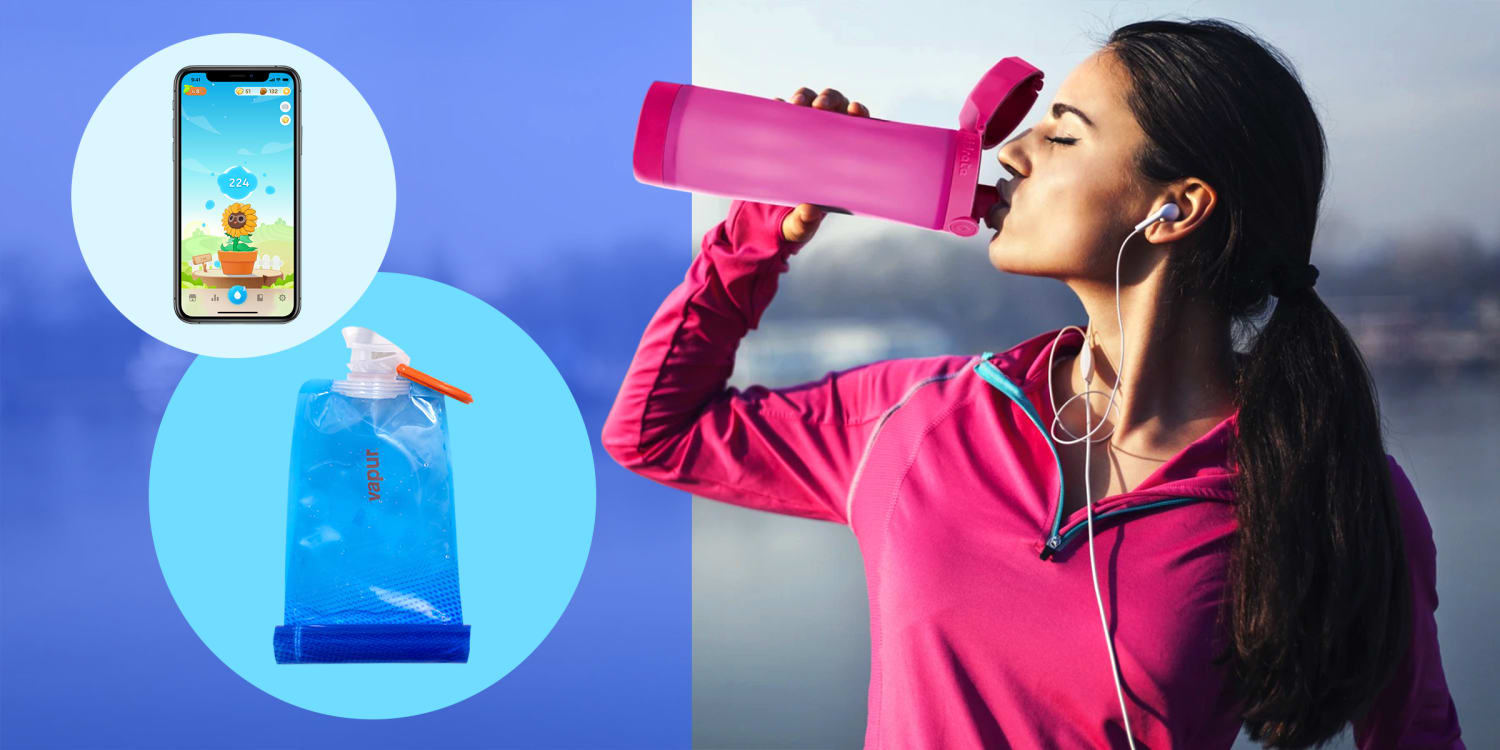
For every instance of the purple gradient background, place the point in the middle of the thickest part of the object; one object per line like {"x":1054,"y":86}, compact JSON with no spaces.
{"x":510,"y":126}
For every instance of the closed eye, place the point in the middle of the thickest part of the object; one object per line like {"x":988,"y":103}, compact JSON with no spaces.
{"x":1063,"y":141}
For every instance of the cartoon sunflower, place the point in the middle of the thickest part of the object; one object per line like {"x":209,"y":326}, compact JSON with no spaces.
{"x":239,"y":220}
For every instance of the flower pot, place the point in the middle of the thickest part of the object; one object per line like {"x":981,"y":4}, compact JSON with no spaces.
{"x":237,"y":262}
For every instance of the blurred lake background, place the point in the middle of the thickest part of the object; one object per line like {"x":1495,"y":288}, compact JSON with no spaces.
{"x":1408,"y":248}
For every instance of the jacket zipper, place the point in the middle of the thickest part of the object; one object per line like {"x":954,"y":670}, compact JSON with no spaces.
{"x":1067,"y":536}
{"x":1057,"y":539}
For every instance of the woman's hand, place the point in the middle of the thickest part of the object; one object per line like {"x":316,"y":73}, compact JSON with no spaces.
{"x":803,"y":221}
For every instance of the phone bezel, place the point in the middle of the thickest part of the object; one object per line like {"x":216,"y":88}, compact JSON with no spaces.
{"x":249,"y":70}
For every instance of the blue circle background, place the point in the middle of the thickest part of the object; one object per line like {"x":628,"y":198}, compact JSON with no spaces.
{"x":524,"y":497}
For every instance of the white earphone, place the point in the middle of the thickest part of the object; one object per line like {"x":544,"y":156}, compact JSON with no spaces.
{"x":1167,"y":212}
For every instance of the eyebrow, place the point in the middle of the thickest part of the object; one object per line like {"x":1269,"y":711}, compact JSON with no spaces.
{"x":1059,"y":108}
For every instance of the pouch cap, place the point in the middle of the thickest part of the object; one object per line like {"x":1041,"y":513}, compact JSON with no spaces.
{"x":373,"y":361}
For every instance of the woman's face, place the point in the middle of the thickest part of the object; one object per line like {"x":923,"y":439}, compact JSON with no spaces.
{"x":1073,"y":200}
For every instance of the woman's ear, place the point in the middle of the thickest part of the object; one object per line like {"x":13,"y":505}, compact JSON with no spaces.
{"x":1195,"y":201}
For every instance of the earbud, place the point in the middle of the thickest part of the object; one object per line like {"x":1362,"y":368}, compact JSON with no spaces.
{"x":1168,"y":211}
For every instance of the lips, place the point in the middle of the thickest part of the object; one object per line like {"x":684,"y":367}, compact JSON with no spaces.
{"x":1000,"y":188}
{"x":992,"y":217}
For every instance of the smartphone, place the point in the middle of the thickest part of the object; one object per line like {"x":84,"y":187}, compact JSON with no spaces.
{"x":236,"y":157}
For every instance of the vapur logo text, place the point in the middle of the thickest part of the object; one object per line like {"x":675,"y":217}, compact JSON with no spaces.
{"x":372,"y":474}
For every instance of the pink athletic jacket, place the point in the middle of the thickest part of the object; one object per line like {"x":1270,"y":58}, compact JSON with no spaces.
{"x":984,"y":628}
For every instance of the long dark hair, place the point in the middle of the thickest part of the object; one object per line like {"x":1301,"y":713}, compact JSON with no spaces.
{"x":1318,"y":602}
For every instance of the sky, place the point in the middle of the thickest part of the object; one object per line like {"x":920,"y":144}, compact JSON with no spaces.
{"x":1405,"y":92}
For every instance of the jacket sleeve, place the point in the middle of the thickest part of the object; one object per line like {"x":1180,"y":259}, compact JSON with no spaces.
{"x":1414,"y":710}
{"x":792,"y":450}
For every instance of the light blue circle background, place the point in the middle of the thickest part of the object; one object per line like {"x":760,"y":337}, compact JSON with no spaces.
{"x":122,"y":196}
{"x":524,"y":497}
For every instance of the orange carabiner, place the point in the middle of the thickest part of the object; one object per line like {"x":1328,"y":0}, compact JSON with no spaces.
{"x":417,"y":376}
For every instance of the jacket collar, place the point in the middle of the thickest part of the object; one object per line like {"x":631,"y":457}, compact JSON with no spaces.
{"x":1204,"y":469}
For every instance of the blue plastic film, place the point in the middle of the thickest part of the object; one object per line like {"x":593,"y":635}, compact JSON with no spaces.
{"x":348,"y":644}
{"x":372,"y":554}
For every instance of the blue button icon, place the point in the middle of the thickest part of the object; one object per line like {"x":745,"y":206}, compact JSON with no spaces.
{"x":237,"y":294}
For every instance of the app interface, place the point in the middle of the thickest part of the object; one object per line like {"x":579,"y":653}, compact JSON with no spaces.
{"x":237,"y":153}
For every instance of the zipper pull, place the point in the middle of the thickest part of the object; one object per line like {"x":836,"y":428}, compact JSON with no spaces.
{"x":1053,"y":543}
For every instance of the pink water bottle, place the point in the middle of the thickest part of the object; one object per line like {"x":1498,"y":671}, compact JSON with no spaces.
{"x":739,"y":146}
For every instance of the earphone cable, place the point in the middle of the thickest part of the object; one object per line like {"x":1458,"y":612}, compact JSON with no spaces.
{"x":1089,"y":429}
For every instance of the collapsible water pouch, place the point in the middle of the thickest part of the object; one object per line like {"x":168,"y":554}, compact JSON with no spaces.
{"x":372,"y":554}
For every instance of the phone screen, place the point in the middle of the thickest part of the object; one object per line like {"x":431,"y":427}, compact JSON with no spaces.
{"x":237,"y":193}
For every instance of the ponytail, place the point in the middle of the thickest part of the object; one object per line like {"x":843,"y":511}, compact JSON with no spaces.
{"x":1319,"y":600}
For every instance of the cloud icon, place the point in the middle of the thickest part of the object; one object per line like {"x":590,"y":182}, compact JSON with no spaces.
{"x":237,"y":183}
{"x":201,"y":122}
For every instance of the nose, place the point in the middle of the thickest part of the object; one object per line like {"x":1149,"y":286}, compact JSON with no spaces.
{"x":1011,"y":156}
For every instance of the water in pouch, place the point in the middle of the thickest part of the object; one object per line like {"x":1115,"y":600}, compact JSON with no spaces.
{"x":372,"y":554}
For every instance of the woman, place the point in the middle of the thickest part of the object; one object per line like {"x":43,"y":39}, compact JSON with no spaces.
{"x":1260,"y":559}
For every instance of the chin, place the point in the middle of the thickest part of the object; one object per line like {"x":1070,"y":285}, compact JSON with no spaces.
{"x":1005,"y":257}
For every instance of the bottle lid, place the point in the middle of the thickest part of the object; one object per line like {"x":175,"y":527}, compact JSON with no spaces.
{"x":1000,"y":100}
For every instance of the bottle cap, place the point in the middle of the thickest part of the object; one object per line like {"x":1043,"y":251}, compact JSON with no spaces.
{"x":1000,"y":100}
{"x":373,"y":360}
